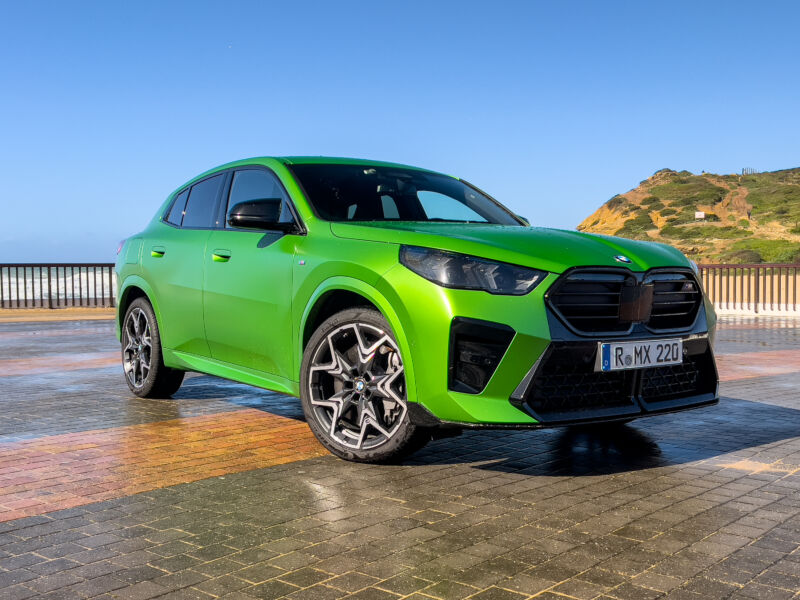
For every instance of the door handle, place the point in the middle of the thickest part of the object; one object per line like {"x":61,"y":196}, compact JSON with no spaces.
{"x":221,"y":255}
{"x":157,"y":251}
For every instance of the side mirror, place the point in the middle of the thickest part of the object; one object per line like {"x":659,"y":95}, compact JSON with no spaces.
{"x":264,"y":213}
{"x":526,"y":221}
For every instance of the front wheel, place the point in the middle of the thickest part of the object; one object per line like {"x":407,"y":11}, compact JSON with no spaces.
{"x":142,"y":361}
{"x":353,"y":389}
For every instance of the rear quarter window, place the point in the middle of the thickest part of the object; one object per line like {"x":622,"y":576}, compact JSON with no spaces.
{"x":202,"y":202}
{"x":175,"y":216}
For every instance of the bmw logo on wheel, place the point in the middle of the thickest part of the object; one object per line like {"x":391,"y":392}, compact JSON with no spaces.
{"x":622,"y":259}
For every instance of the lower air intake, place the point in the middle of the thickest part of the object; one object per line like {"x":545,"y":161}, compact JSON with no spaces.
{"x":476,"y":348}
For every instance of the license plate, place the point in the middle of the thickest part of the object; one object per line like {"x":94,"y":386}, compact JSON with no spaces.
{"x":618,"y":356}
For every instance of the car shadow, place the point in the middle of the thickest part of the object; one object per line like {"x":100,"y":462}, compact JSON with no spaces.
{"x":207,"y":387}
{"x":670,"y":439}
{"x":663,"y":440}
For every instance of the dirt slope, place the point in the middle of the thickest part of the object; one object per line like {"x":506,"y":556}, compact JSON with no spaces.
{"x":750,"y":218}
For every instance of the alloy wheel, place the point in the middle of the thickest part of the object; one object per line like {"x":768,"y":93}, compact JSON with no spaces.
{"x":357,"y":386}
{"x":138,"y":348}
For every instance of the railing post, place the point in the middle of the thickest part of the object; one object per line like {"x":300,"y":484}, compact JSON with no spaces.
{"x":758,"y":289}
{"x":49,"y":287}
{"x":113,"y":285}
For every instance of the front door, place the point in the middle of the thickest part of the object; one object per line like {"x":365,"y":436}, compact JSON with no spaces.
{"x":248,"y":285}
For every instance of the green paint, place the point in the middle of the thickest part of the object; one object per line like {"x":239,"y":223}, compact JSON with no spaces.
{"x":235,"y":303}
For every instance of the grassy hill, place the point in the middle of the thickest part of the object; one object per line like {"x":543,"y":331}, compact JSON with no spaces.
{"x":749,"y":218}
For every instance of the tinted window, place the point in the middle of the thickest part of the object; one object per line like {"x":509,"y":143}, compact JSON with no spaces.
{"x":202,"y":199}
{"x":389,"y":208}
{"x":346,"y":192}
{"x":178,"y":207}
{"x":441,"y":207}
{"x":257,"y":184}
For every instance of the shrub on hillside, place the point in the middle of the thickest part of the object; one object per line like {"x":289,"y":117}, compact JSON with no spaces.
{"x":740,"y":257}
{"x":636,"y":227}
{"x":771,"y":251}
{"x":616,"y":202}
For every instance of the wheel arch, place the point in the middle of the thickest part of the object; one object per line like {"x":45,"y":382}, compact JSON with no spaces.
{"x":339,"y":293}
{"x":131,"y":288}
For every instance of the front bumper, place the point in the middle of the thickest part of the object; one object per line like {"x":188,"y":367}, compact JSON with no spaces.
{"x":546,"y":374}
{"x":563,"y":387}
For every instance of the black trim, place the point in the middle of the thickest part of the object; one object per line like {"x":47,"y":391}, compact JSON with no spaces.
{"x":485,"y":343}
{"x":422,"y":417}
{"x":419,"y":415}
{"x":223,"y":199}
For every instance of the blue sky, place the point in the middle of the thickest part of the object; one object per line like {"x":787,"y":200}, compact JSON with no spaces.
{"x":551,"y":107}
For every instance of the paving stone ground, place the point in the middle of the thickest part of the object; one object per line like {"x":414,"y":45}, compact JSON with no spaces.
{"x":222,"y":491}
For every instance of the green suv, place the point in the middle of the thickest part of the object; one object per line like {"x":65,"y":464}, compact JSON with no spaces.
{"x":400,"y":304}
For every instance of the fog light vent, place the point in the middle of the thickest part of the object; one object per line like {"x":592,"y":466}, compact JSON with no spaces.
{"x":476,"y":348}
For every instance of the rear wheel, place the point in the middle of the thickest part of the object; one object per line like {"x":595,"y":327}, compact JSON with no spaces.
{"x":142,"y":360}
{"x":353,"y":389}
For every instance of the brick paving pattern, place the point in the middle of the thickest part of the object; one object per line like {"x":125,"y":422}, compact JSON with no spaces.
{"x":63,"y":471}
{"x":701,"y":504}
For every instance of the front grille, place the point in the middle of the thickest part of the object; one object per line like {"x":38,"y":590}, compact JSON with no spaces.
{"x":676,"y":299}
{"x":611,"y":301}
{"x":590,"y":301}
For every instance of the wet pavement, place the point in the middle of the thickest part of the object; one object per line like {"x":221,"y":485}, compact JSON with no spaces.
{"x":223,"y":492}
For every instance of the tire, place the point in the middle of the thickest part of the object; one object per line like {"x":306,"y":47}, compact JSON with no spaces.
{"x":352,"y":387}
{"x":142,"y":360}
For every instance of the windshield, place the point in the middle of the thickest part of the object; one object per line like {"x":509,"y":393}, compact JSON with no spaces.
{"x":370,"y":193}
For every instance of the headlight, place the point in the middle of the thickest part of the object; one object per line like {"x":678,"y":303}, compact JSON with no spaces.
{"x":464,"y":272}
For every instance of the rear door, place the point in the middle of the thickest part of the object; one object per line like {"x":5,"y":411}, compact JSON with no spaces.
{"x":248,"y":285}
{"x":173,"y":264}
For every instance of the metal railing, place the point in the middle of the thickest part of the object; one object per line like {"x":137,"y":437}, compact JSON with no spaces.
{"x":753,"y":288}
{"x":744,"y":289}
{"x":57,"y":285}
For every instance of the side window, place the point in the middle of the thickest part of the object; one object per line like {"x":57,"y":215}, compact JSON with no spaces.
{"x":441,"y":206}
{"x":256,"y":184}
{"x":202,"y":200}
{"x":178,"y":208}
{"x":389,"y":208}
{"x":368,"y":210}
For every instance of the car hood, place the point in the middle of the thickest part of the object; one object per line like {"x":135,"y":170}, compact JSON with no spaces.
{"x":553,"y":250}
